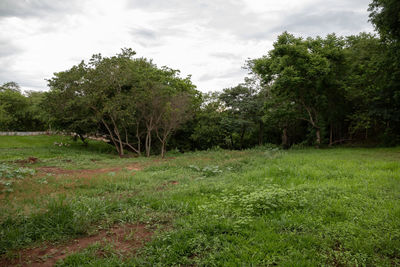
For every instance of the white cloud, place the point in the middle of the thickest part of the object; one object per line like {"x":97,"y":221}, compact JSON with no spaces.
{"x":210,"y":39}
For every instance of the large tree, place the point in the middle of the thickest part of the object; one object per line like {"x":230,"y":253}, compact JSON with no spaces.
{"x":305,"y":72}
{"x":65,"y":103}
{"x":385,"y":15}
{"x":122,"y":97}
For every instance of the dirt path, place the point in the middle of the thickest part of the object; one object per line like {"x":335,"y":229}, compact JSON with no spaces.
{"x":125,"y":240}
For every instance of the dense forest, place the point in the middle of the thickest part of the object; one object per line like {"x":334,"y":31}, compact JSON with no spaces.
{"x":321,"y":91}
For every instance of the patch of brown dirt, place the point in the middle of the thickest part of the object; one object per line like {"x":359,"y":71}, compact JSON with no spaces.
{"x":165,"y":185}
{"x":30,"y":160}
{"x":87,"y":172}
{"x":54,"y":170}
{"x":125,"y":239}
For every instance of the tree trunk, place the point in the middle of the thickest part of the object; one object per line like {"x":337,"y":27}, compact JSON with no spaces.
{"x":162,"y":149}
{"x":148,"y":143}
{"x":261,"y":134}
{"x":318,"y":136}
{"x":111,"y":136}
{"x":285,"y":144}
{"x":83,"y":139}
{"x":116,"y":131}
{"x":242,"y":137}
{"x":138,"y":139}
{"x":137,"y":151}
{"x":313,"y":120}
{"x":331,"y":135}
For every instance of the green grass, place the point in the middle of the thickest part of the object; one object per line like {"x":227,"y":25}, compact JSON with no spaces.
{"x":332,"y":207}
{"x":9,"y":142}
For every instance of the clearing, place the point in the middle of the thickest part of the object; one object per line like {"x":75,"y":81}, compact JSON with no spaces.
{"x":72,"y":205}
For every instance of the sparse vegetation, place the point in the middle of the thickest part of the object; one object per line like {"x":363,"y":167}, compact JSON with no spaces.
{"x":260,"y":206}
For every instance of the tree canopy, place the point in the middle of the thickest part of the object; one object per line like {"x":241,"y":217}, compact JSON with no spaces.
{"x":305,"y":90}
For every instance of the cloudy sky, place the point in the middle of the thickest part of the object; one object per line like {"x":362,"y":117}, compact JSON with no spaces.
{"x":209,"y":39}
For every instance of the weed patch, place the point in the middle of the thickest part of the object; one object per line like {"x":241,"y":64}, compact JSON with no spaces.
{"x":9,"y":174}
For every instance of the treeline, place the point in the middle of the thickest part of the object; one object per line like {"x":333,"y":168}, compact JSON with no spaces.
{"x":21,"y":111}
{"x":344,"y":89}
{"x":309,"y":91}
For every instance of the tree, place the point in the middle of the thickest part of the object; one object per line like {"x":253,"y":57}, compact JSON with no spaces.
{"x":13,"y":108}
{"x":364,"y":52}
{"x":305,"y":73}
{"x":38,"y":116}
{"x":208,"y":130}
{"x":243,"y":106}
{"x":280,"y":114}
{"x":175,"y":112}
{"x":119,"y":96}
{"x":385,"y":15}
{"x":65,"y":103}
{"x":109,"y":94}
{"x":12,"y":86}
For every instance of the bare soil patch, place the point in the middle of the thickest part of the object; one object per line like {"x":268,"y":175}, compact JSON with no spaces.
{"x":125,"y":239}
{"x":30,"y":160}
{"x":165,"y":185}
{"x":84,"y":173}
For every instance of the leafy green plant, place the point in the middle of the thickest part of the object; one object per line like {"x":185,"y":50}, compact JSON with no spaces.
{"x":207,"y":171}
{"x":256,"y":202}
{"x":9,"y":173}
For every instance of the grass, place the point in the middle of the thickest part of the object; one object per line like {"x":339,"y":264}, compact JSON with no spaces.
{"x":332,"y":207}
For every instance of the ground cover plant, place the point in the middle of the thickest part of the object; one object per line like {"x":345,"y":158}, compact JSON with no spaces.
{"x":85,"y":206}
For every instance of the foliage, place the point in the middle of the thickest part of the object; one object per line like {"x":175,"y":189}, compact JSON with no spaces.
{"x":207,"y":171}
{"x":9,"y":173}
{"x":385,"y":15}
{"x":303,"y":73}
{"x":126,"y":99}
{"x":19,"y":112}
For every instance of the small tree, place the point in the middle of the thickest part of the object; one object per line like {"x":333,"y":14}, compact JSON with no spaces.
{"x":175,"y":112}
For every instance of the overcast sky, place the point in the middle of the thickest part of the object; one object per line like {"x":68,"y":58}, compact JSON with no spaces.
{"x":209,"y":39}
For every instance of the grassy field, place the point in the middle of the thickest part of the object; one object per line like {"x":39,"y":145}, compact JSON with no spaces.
{"x":82,"y":206}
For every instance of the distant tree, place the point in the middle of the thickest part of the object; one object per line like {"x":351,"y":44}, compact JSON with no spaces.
{"x":364,"y":52}
{"x":385,"y":15}
{"x":66,"y":105}
{"x":280,"y":114}
{"x":109,"y":95}
{"x":159,"y":88}
{"x":13,"y":86}
{"x":305,"y":73}
{"x":244,"y":107}
{"x":14,"y":106}
{"x":174,"y":113}
{"x":208,"y":130}
{"x":38,"y":116}
{"x":122,"y":97}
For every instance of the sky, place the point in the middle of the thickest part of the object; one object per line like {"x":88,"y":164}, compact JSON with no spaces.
{"x":209,"y":39}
